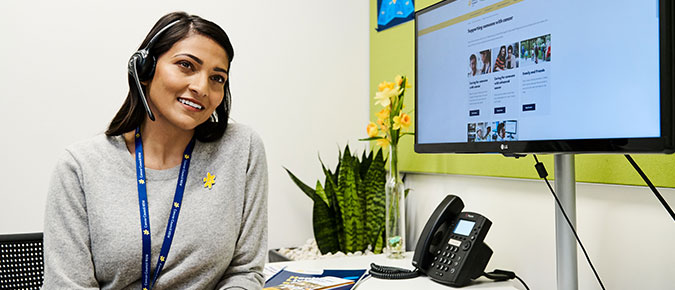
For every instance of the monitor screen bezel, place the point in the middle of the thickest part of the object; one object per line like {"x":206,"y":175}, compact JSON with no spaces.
{"x":663,"y":144}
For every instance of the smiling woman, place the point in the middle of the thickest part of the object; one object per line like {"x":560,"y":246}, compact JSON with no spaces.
{"x":110,"y":196}
{"x":188,"y":84}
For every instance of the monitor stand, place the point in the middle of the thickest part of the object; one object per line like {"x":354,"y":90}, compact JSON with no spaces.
{"x":566,"y":244}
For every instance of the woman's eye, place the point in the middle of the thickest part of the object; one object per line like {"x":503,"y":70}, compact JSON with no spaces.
{"x":185,"y":64}
{"x":218,"y":79}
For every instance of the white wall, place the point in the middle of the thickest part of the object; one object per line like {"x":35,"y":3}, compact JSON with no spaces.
{"x":627,"y":233}
{"x":299,"y":77}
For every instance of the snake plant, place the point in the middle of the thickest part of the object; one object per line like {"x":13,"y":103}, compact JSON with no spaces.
{"x":348,"y":211}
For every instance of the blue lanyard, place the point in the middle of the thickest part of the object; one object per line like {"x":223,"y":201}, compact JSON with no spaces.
{"x":145,"y":215}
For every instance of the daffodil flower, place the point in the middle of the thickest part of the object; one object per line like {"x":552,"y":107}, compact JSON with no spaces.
{"x":383,"y":124}
{"x":383,"y":142}
{"x":383,"y":114}
{"x":391,"y":122}
{"x":372,"y":129}
{"x":384,"y":97}
{"x":385,"y":85}
{"x":401,"y":121}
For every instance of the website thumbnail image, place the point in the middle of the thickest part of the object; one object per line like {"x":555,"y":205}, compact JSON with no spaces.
{"x":496,"y":131}
{"x":510,"y":56}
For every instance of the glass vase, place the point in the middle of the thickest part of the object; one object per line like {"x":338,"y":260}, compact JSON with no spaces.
{"x":395,"y":209}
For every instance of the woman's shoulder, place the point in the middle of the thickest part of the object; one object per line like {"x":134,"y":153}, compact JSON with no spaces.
{"x":238,"y":133}
{"x":239,"y":141}
{"x":96,"y":148}
{"x":95,"y":144}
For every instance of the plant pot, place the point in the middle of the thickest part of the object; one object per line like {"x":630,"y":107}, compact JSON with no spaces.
{"x":275,"y":256}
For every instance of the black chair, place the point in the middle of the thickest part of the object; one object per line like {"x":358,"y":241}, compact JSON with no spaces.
{"x":21,"y":263}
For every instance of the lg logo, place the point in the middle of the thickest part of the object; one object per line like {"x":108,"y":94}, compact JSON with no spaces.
{"x":504,"y":147}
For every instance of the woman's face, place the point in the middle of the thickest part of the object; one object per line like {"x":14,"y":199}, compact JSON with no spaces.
{"x":189,"y":82}
{"x":502,"y":51}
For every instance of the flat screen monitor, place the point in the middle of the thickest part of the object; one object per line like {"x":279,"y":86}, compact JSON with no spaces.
{"x":541,"y":76}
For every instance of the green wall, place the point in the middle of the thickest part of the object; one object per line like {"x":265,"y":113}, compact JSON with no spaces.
{"x":392,"y":53}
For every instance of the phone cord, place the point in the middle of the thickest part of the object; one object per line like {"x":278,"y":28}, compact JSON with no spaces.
{"x":392,"y":273}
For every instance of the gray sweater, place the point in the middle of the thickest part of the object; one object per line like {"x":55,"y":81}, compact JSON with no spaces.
{"x":92,"y":232}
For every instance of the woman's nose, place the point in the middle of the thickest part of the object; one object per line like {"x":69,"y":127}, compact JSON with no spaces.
{"x":199,"y":85}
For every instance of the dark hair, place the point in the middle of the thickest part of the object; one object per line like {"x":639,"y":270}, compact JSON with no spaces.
{"x":132,"y":113}
{"x":510,"y":48}
{"x":472,"y":57}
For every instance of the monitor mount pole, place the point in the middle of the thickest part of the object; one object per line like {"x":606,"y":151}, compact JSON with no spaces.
{"x":566,"y":244}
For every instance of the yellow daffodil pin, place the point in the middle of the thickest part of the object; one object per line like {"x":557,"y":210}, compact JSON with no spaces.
{"x":209,"y":180}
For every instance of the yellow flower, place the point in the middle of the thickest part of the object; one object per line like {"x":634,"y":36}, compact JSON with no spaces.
{"x":384,"y":97}
{"x":383,"y":114}
{"x":405,"y":120}
{"x":383,"y":124}
{"x":391,"y":122}
{"x":372,"y":129}
{"x":399,"y":82}
{"x":209,"y":180}
{"x":384,"y":85}
{"x":383,"y":142}
{"x":401,"y":121}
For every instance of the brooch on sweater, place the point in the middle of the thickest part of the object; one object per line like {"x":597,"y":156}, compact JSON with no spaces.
{"x":209,"y":180}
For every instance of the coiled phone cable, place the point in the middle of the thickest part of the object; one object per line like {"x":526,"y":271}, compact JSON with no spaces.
{"x":395,"y":273}
{"x":392,"y":273}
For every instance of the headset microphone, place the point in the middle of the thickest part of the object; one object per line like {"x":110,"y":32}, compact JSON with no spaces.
{"x":142,"y":67}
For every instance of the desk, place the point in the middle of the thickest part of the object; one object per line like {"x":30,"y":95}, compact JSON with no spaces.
{"x":363,"y":262}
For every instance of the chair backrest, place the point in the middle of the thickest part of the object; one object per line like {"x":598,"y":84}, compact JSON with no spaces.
{"x":21,"y":263}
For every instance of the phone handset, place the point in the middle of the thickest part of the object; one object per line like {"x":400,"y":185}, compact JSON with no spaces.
{"x":447,"y":210}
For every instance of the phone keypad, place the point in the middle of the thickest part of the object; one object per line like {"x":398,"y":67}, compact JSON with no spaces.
{"x":446,"y":260}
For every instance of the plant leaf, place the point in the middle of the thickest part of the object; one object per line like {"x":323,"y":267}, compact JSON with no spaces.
{"x":332,"y":195}
{"x":324,"y":224}
{"x":371,"y":138}
{"x":321,"y":193}
{"x":375,"y":197}
{"x":306,"y":189}
{"x":349,"y":203}
{"x":365,"y":163}
{"x":379,"y":243}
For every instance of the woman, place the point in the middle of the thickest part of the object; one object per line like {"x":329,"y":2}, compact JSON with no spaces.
{"x":501,"y":59}
{"x":112,"y":211}
{"x":511,"y":59}
{"x":485,"y":59}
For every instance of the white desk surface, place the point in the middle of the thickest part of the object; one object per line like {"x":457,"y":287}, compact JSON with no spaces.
{"x":363,"y":262}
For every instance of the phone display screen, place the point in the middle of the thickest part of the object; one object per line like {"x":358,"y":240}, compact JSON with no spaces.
{"x":464,"y":227}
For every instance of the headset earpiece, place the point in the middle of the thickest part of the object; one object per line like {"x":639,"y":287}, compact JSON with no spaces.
{"x":141,"y":67}
{"x":145,"y":64}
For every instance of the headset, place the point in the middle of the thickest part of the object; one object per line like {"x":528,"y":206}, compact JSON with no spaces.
{"x":142,"y":66}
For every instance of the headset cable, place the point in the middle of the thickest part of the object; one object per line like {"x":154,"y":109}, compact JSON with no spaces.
{"x":651,"y":186}
{"x":541,"y":170}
